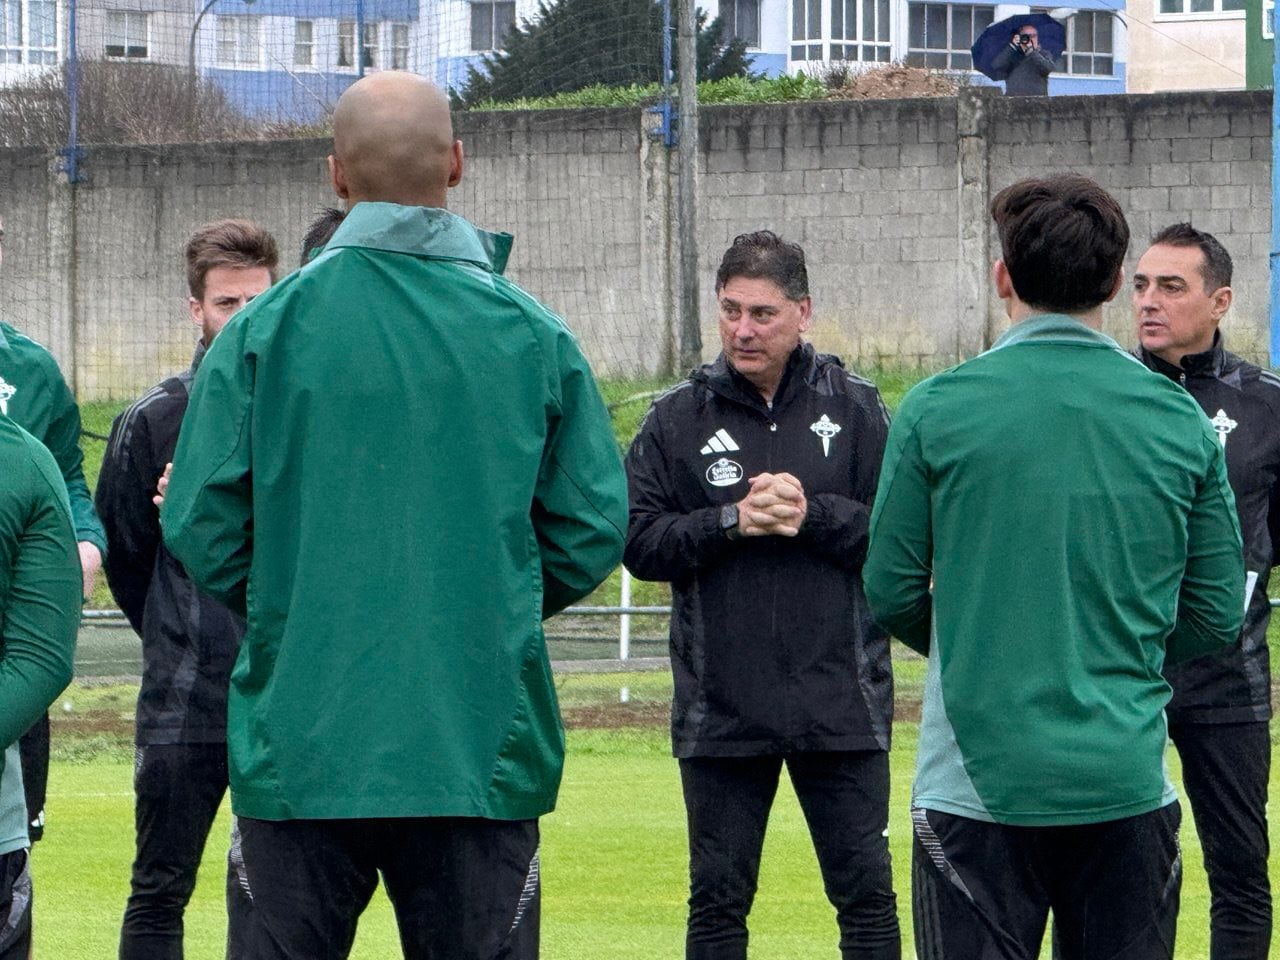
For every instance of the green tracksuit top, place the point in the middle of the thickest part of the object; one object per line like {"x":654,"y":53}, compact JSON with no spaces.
{"x":40,"y":589}
{"x":34,"y":395}
{"x":1073,"y":511}
{"x":395,"y":463}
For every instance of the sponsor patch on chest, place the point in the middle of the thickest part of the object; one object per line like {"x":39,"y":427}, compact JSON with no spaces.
{"x":724,"y":473}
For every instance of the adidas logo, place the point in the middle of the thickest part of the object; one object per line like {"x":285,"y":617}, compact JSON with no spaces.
{"x":720,"y":442}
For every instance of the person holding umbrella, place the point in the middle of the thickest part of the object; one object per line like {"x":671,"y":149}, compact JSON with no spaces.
{"x":1022,"y":51}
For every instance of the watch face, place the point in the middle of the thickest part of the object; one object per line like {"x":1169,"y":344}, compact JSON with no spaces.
{"x":729,"y":516}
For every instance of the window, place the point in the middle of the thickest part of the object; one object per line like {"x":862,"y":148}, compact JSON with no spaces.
{"x":940,"y":35}
{"x":399,"y":46}
{"x":127,"y":35}
{"x":1200,"y":8}
{"x":304,"y":43}
{"x":491,"y":21}
{"x":1268,"y":19}
{"x":742,"y":20}
{"x":369,"y":45}
{"x":29,"y":31}
{"x":238,"y":40}
{"x":863,"y":26}
{"x":806,"y":24}
{"x":346,"y":43}
{"x":1089,"y":44}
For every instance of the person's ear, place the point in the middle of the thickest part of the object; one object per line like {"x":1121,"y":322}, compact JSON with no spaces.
{"x":1001,"y":279}
{"x":1116,"y":287}
{"x":1222,"y":298}
{"x":806,"y":314}
{"x":455,"y":163}
{"x":338,"y":178}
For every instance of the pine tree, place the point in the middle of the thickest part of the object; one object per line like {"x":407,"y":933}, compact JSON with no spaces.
{"x":572,"y":44}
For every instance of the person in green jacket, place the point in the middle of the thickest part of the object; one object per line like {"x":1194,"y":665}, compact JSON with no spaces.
{"x":396,"y":463}
{"x":34,"y":394}
{"x":1053,"y":523}
{"x":40,"y":589}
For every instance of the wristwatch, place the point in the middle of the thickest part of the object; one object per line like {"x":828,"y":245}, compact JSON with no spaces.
{"x":729,"y":521}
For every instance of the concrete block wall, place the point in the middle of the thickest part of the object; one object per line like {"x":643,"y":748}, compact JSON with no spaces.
{"x":889,"y":199}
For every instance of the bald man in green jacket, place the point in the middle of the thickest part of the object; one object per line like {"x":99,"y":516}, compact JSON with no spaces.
{"x":396,"y":462}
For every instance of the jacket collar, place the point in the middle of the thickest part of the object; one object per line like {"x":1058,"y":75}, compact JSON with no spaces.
{"x":1210,"y":363}
{"x":1053,"y":328}
{"x":721,"y":376}
{"x":423,"y":232}
{"x":198,"y":356}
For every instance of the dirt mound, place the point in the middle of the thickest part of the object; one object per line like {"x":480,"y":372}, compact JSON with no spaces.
{"x":893,"y":81}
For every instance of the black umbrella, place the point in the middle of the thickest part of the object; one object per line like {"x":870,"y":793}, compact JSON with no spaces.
{"x":1052,"y":34}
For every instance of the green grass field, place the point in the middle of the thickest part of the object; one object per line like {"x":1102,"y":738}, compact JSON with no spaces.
{"x":613,"y":852}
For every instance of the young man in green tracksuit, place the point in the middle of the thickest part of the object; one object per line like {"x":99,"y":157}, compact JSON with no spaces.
{"x":395,"y":463}
{"x":1053,"y":524}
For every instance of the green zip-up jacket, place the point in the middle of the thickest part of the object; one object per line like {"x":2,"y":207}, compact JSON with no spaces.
{"x":1073,"y":512}
{"x":34,"y":395}
{"x":396,"y":463}
{"x":40,"y":589}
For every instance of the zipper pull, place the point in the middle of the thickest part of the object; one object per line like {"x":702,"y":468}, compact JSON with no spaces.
{"x":773,"y":427}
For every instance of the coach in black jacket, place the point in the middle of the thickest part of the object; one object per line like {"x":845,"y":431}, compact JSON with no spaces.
{"x":189,"y":640}
{"x":750,"y":488}
{"x":1218,"y":718}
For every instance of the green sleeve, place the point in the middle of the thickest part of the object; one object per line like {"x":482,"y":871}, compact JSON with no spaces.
{"x":1211,"y":600}
{"x":900,"y":554}
{"x":207,"y":511}
{"x":42,"y":600}
{"x":580,"y":501}
{"x":63,"y":441}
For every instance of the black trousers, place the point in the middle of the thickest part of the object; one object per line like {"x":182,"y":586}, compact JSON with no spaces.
{"x":33,"y":748}
{"x":1225,"y":771}
{"x":178,"y":789}
{"x":15,"y":906}
{"x":983,"y":891}
{"x":462,"y":888}
{"x":845,"y":799}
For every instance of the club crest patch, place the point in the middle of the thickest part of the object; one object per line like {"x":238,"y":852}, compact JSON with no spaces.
{"x":825,"y":429}
{"x":724,"y":473}
{"x":1224,"y":425}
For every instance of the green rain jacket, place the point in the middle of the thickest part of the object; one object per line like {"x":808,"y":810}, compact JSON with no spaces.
{"x":1073,"y":512}
{"x":396,"y":463}
{"x":34,"y":395}
{"x":40,"y":587}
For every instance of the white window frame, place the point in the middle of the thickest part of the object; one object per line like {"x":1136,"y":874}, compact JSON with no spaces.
{"x":1268,"y":19}
{"x":493,"y":23}
{"x":729,"y":10}
{"x":807,"y":45}
{"x":301,"y":46}
{"x":853,"y":37}
{"x":346,"y":35}
{"x":23,"y":53}
{"x":1217,"y":13}
{"x":399,"y":45}
{"x":128,"y":19}
{"x":1070,"y":53}
{"x":951,"y":50}
{"x":371,"y":45}
{"x":240,"y":27}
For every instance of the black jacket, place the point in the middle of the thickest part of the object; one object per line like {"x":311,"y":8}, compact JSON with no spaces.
{"x":1243,"y":402}
{"x":189,"y":641}
{"x":1028,"y":73}
{"x":772,"y":646}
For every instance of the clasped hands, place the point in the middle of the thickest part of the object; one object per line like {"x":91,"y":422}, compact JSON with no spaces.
{"x":775,"y":505}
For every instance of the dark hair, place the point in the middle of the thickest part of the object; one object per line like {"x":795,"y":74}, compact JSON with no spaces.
{"x":1063,"y":239}
{"x":321,"y":232}
{"x":1216,"y":269}
{"x":764,"y":255}
{"x":228,"y":243}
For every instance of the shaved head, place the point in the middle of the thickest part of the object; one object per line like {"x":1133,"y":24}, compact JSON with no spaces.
{"x":393,"y":141}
